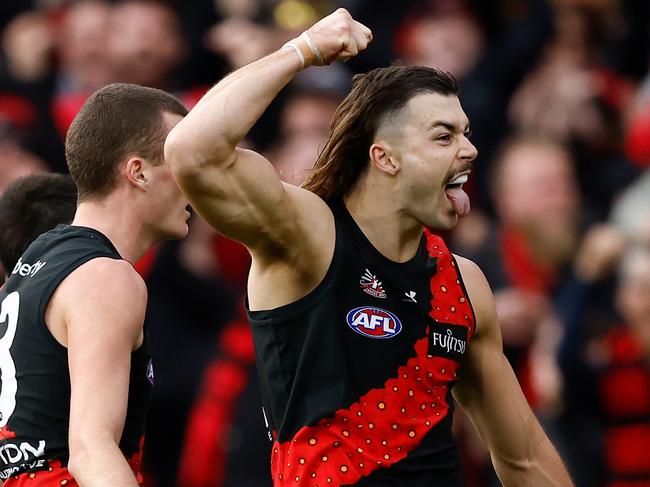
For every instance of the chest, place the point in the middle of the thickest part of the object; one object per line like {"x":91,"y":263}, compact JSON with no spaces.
{"x":385,"y":317}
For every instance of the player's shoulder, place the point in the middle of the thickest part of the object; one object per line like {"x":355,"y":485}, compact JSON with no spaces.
{"x":313,"y":222}
{"x":478,"y":288}
{"x":312,"y":201}
{"x":469,"y":269}
{"x":108,"y":276}
{"x":315,"y":216}
{"x":101,"y":291}
{"x":473,"y":278}
{"x":104,"y":266}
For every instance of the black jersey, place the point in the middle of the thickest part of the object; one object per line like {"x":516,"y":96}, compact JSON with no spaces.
{"x":35,"y":390}
{"x":356,"y":376}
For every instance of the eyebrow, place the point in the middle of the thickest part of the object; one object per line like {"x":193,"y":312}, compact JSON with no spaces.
{"x":449,"y":126}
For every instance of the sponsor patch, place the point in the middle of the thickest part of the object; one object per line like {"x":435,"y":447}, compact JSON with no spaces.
{"x":21,"y":456}
{"x":27,"y":270}
{"x":372,"y":285}
{"x":447,"y":340}
{"x":374,"y":322}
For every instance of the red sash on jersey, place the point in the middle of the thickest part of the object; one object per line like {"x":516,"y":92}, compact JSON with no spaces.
{"x":383,"y":425}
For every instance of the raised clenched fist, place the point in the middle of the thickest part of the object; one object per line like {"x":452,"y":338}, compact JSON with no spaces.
{"x":335,"y":37}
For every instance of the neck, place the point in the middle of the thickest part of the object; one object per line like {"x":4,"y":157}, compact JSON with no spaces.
{"x":394,"y":235}
{"x":119,"y":222}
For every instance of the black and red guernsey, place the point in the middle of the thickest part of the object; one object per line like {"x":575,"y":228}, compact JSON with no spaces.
{"x":35,"y":384}
{"x":356,"y":376}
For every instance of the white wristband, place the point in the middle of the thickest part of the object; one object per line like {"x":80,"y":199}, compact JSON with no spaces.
{"x":293,"y":46}
{"x":313,"y":47}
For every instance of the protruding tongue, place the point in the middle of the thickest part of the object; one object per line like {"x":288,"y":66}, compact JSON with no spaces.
{"x":459,"y":200}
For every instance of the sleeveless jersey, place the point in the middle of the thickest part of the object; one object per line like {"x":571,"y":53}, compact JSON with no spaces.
{"x":35,"y":385}
{"x":356,"y":377}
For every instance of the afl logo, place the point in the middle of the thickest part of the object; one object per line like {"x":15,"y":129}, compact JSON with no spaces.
{"x":374,"y":322}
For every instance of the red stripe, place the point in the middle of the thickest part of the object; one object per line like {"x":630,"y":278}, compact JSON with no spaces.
{"x":449,"y":302}
{"x":375,"y":432}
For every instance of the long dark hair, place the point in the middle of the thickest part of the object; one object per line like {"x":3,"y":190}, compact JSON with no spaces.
{"x":374,"y":95}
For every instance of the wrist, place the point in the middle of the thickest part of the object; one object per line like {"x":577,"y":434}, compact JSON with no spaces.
{"x":305,"y":50}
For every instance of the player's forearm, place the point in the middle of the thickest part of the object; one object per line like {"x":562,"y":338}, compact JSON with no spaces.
{"x":543,"y":468}
{"x":100,"y":464}
{"x":488,"y":390}
{"x":223,"y":117}
{"x":521,"y":452}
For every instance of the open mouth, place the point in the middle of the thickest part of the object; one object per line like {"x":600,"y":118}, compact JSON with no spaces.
{"x":456,"y":195}
{"x":457,"y":182}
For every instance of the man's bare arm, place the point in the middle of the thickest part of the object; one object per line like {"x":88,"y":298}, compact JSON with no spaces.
{"x":488,"y":390}
{"x":103,"y":304}
{"x":237,"y":191}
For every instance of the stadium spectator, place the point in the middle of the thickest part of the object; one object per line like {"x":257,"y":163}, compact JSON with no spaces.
{"x":145,"y":43}
{"x":528,"y":254}
{"x":83,"y":58}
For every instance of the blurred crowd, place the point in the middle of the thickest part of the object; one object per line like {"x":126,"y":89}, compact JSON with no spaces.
{"x":558,"y":95}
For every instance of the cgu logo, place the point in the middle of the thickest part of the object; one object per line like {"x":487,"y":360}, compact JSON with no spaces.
{"x":374,"y":322}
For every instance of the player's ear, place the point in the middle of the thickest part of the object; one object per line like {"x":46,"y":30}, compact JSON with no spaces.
{"x":135,"y":172}
{"x":381,"y":156}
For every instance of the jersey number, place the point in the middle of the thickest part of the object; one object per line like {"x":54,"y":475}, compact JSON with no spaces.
{"x":8,"y":315}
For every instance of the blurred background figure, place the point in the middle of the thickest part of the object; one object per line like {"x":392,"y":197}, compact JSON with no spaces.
{"x":527,"y":255}
{"x":528,"y":251}
{"x":84,"y":32}
{"x":304,"y":127}
{"x":623,"y":376}
{"x":16,"y":162}
{"x":558,"y":95}
{"x":576,"y":96}
{"x":452,"y":41}
{"x":605,"y":366}
{"x":83,"y":61}
{"x":145,"y":43}
{"x":27,"y":43}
